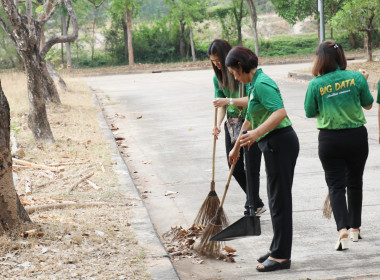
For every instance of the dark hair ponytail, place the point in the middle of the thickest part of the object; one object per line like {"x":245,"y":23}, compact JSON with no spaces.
{"x":330,"y":56}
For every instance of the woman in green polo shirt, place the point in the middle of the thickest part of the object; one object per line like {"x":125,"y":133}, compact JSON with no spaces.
{"x":227,"y":101}
{"x":336,"y":97}
{"x":268,"y":125}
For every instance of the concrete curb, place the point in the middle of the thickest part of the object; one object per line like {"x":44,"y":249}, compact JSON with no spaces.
{"x":308,"y":77}
{"x":161,"y":265}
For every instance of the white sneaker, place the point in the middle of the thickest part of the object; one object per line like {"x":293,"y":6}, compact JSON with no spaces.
{"x":260,"y":211}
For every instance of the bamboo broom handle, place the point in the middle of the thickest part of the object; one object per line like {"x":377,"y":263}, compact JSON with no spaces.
{"x":227,"y":184}
{"x":213,"y":152}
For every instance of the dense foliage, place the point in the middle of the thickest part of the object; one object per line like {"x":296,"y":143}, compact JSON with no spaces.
{"x":161,"y":30}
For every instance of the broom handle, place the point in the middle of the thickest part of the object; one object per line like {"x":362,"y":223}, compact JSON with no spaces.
{"x":227,"y":184}
{"x":213,"y":152}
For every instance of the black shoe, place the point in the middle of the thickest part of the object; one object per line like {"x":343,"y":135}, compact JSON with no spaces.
{"x":270,"y":265}
{"x":263,"y":258}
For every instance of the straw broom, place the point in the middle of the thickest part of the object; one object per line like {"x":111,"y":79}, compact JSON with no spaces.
{"x":211,"y":203}
{"x":212,"y":248}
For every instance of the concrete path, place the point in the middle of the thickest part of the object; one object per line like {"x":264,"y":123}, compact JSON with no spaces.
{"x":167,"y":119}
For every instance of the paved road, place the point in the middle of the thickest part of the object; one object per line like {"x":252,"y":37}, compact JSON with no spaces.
{"x":173,"y":137}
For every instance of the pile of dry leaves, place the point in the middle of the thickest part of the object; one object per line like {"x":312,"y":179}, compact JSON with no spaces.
{"x":180,"y":243}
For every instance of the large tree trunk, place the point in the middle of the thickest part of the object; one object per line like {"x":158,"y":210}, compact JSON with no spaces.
{"x":253,"y":16}
{"x":50,"y":90}
{"x":192,"y":45}
{"x":129,"y":32}
{"x":12,"y":213}
{"x":37,"y":120}
{"x":125,"y":33}
{"x":182,"y":42}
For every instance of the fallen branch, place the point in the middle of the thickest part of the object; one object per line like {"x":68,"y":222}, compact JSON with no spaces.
{"x":81,"y":180}
{"x":64,"y":178}
{"x":34,"y":165}
{"x":47,"y":207}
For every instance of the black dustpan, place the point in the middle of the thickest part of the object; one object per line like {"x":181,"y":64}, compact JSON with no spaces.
{"x":248,"y":225}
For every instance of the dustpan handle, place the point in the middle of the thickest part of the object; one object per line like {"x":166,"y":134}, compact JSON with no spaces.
{"x":248,"y":180}
{"x":227,"y":184}
{"x":213,"y":152}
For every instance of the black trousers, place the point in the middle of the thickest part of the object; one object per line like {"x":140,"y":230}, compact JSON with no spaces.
{"x":239,"y":171}
{"x":280,"y":148}
{"x":343,"y":154}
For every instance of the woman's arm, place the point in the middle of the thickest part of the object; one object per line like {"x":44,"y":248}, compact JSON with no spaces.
{"x":271,"y":123}
{"x":241,"y":102}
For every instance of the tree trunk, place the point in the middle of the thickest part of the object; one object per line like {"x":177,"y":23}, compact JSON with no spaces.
{"x":125,"y":33}
{"x":129,"y":32}
{"x":67,"y":44}
{"x":352,"y":40}
{"x":192,"y":45}
{"x":55,"y":76}
{"x":369,"y":46}
{"x":50,"y":90}
{"x":253,"y":15}
{"x":12,"y":213}
{"x":182,"y":42}
{"x":37,"y":119}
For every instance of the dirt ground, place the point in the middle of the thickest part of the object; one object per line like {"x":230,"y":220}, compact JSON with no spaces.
{"x":81,"y":219}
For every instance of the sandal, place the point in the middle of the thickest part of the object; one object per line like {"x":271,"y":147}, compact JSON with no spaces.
{"x":263,"y":258}
{"x":270,"y":265}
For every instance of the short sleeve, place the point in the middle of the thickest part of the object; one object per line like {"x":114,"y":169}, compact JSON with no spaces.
{"x":311,"y":104}
{"x":366,"y":98}
{"x":218,"y":92}
{"x":269,"y":97}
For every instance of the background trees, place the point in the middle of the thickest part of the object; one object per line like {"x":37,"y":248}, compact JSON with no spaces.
{"x":149,"y":31}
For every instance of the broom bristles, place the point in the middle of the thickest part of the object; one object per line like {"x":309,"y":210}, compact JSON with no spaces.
{"x":327,"y":209}
{"x":208,"y":209}
{"x":212,"y":248}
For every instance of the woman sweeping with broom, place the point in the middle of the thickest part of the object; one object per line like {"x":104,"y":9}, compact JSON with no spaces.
{"x":228,"y":103}
{"x":270,"y":127}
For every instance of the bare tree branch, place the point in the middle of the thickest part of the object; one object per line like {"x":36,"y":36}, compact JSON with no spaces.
{"x":63,"y":39}
{"x":6,"y":29}
{"x":29,"y":11}
{"x":96,"y":5}
{"x":50,"y":10}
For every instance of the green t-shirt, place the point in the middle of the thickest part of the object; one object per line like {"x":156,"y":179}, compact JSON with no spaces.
{"x":232,"y":110}
{"x":264,"y":99}
{"x":378,"y":93}
{"x":337,"y":98}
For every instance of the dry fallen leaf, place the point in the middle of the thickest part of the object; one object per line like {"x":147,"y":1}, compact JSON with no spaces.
{"x":139,"y":117}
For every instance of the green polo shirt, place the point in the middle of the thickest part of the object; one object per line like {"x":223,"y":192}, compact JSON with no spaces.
{"x":378,"y":93}
{"x":337,"y":98}
{"x":232,"y":110}
{"x":264,"y":99}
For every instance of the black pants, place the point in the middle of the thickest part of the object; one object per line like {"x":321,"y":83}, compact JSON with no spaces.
{"x":280,"y":149}
{"x":343,"y":154}
{"x":239,"y":171}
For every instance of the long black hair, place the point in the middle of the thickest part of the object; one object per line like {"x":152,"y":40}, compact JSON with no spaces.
{"x":220,"y":48}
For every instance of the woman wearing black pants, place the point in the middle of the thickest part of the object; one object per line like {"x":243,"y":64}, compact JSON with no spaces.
{"x":336,"y":97}
{"x":233,"y":106}
{"x":267,"y":124}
